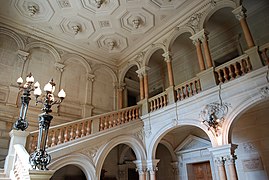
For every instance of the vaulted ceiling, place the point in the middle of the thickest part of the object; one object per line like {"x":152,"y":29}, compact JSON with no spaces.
{"x":109,"y":31}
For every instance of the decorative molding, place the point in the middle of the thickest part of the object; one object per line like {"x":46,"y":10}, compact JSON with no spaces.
{"x":264,"y":91}
{"x":91,"y":153}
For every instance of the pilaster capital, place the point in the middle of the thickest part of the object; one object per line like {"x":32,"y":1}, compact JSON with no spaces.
{"x":240,"y":12}
{"x":219,"y":161}
{"x":175,"y":167}
{"x":143,"y":70}
{"x":90,"y":77}
{"x":23,"y":54}
{"x":230,"y":159}
{"x":59,"y":66}
{"x":167,"y":56}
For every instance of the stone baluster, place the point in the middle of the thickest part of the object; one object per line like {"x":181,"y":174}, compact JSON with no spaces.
{"x":240,"y":14}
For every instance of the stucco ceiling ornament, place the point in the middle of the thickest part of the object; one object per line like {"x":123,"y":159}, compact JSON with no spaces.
{"x":33,"y":9}
{"x":76,"y":28}
{"x":136,"y":22}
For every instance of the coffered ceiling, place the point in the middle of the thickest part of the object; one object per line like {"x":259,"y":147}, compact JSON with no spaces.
{"x":109,"y":31}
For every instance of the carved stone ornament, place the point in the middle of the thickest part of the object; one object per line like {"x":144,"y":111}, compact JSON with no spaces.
{"x":140,"y":134}
{"x":194,"y":20}
{"x":264,"y":92}
{"x":91,"y":153}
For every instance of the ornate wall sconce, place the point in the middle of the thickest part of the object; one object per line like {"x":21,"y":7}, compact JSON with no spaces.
{"x":26,"y":88}
{"x":98,"y":3}
{"x":32,"y":9}
{"x":76,"y":29}
{"x":213,"y":115}
{"x":136,"y":22}
{"x":39,"y":159}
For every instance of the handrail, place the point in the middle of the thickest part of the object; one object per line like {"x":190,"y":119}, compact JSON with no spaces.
{"x":188,"y":88}
{"x":77,"y":129}
{"x":234,"y":68}
{"x":21,"y":166}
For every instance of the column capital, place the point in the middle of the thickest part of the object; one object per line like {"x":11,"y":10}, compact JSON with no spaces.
{"x":167,"y":56}
{"x":143,"y":70}
{"x":199,"y":36}
{"x":219,"y":161}
{"x":59,"y":66}
{"x":23,"y":54}
{"x":141,"y":166}
{"x":230,"y":159}
{"x":240,"y":12}
{"x":152,"y":165}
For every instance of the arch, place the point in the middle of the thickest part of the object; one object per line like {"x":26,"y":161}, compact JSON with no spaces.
{"x":107,"y":69}
{"x":240,"y":109}
{"x":126,"y":68}
{"x":79,"y":58}
{"x":102,"y":153}
{"x":186,"y":122}
{"x":124,"y":151}
{"x":50,"y":48}
{"x":220,"y":5}
{"x":149,"y":53}
{"x":14,"y":36}
{"x":79,"y":160}
{"x":176,"y":33}
{"x":170,"y":149}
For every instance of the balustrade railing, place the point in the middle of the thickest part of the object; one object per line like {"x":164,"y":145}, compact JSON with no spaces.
{"x":233,"y":69}
{"x":158,"y":101}
{"x":264,"y":50}
{"x":188,"y":89}
{"x":77,"y":129}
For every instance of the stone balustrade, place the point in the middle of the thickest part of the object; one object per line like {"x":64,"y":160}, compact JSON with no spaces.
{"x":233,"y":69}
{"x":188,"y":89}
{"x":158,"y":101}
{"x":74,"y":130}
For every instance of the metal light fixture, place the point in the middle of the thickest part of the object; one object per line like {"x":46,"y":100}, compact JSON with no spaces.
{"x":26,"y":88}
{"x":39,"y":159}
{"x":213,"y":115}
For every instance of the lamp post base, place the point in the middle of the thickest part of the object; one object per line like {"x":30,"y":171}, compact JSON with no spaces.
{"x":39,"y":160}
{"x":20,"y":124}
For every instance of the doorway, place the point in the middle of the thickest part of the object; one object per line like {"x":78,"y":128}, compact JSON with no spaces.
{"x":199,"y":171}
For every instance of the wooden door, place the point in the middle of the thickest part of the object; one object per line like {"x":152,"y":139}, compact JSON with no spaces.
{"x":199,"y":171}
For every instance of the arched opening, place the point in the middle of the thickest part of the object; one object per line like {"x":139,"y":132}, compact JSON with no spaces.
{"x":183,"y":154}
{"x":132,"y":91}
{"x":184,"y":59}
{"x":157,"y":74}
{"x":69,"y":172}
{"x":119,"y":164}
{"x":250,"y":133}
{"x":225,"y":38}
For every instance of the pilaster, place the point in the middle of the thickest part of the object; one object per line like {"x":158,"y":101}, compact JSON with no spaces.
{"x":254,"y":57}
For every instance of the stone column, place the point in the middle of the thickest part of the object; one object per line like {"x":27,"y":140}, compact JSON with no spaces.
{"x":239,"y":13}
{"x":168,"y":60}
{"x":196,"y":41}
{"x":141,"y":169}
{"x":60,"y":69}
{"x":221,"y":168}
{"x":152,"y":168}
{"x":230,"y":161}
{"x":120,"y":95}
{"x":87,"y":106}
{"x":204,"y":39}
{"x":141,"y":84}
{"x":144,"y":71}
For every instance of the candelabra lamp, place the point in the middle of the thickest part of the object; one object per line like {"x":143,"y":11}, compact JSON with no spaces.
{"x":26,"y":88}
{"x":39,"y":159}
